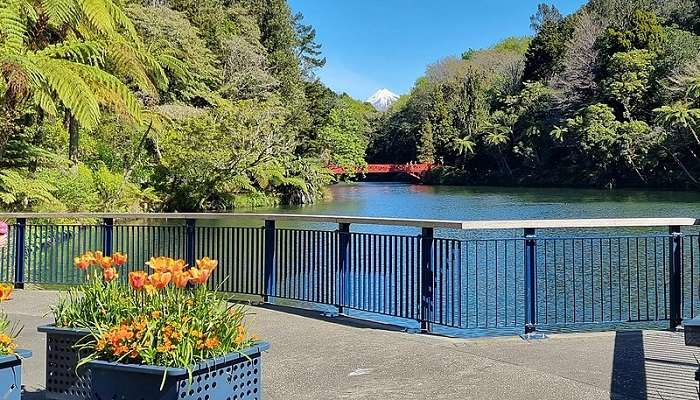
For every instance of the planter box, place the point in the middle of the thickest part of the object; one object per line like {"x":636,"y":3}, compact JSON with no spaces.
{"x":11,"y":375}
{"x":233,"y":376}
{"x":691,"y":332}
{"x":62,"y":381}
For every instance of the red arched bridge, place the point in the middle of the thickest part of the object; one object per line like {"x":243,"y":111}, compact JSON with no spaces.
{"x":414,"y":170}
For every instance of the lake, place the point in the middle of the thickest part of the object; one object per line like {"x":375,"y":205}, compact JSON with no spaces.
{"x":489,"y":203}
{"x":399,"y":200}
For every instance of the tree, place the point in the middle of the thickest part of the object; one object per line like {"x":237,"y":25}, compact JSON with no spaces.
{"x":513,"y":44}
{"x":227,"y":158}
{"x":628,"y":80}
{"x":547,"y":48}
{"x":681,"y":116}
{"x":546,"y":14}
{"x":343,"y":140}
{"x":594,"y":133}
{"x":77,"y":75}
{"x":308,"y":50}
{"x":177,"y":45}
{"x":576,"y":82}
{"x":644,"y":32}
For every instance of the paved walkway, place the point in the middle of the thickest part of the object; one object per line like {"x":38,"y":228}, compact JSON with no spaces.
{"x":317,"y":358}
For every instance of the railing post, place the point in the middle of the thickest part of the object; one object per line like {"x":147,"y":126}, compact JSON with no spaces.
{"x":20,"y":248}
{"x":269,"y":259}
{"x":107,"y":235}
{"x":427,"y":276}
{"x":190,"y":237}
{"x":530,"y":281}
{"x":343,"y":266}
{"x":674,"y":279}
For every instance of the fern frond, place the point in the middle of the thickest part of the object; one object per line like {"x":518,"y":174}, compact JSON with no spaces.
{"x":71,"y":89}
{"x":14,"y":187}
{"x":90,"y":53}
{"x":98,"y":15}
{"x":154,"y":68}
{"x":43,"y":100}
{"x":177,"y":67}
{"x":121,"y":20}
{"x":118,"y":94}
{"x":13,"y":26}
{"x":125,"y":62}
{"x":61,"y":12}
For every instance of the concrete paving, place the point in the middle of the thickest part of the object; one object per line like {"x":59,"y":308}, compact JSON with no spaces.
{"x":314,"y":357}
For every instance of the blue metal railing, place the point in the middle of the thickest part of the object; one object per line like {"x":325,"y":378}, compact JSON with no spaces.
{"x":528,"y":282}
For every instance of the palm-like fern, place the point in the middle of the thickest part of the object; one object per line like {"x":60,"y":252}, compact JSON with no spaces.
{"x":100,"y":54}
{"x":19,"y":191}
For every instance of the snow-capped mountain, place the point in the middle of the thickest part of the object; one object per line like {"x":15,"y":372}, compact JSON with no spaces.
{"x":383,"y":99}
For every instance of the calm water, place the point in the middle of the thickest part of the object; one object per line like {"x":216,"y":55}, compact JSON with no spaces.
{"x":490,"y":203}
{"x":487,"y":203}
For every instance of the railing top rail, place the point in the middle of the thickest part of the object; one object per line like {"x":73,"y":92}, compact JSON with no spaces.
{"x":423,"y":223}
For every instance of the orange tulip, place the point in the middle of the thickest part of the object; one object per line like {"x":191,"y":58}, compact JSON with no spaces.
{"x":160,"y":280}
{"x":199,"y":276}
{"x":207,"y":263}
{"x":97,"y":257}
{"x":109,"y":274}
{"x":5,"y":292}
{"x":159,"y":264}
{"x":119,"y":259}
{"x":81,"y":263}
{"x":138,"y":279}
{"x":106,"y":262}
{"x":177,"y":266}
{"x":181,"y":279}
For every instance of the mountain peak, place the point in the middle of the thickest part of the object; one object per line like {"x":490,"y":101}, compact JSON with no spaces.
{"x":383,"y":99}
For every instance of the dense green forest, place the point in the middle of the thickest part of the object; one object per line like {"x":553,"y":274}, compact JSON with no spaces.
{"x":608,"y":96}
{"x":126,"y":105}
{"x":182,"y":105}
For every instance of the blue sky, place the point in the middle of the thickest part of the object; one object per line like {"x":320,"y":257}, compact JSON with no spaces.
{"x":374,"y":44}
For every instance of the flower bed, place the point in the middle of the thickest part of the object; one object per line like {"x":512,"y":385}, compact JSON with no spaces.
{"x":161,"y":329}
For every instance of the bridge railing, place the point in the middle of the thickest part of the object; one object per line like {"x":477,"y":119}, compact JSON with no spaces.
{"x":469,"y":276}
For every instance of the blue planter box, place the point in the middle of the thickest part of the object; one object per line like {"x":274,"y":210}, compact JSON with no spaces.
{"x":62,"y":380}
{"x":11,"y":375}
{"x":233,"y":376}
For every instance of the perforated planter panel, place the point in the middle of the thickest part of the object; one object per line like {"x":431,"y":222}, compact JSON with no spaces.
{"x":62,"y":381}
{"x":233,"y":377}
{"x":11,"y":375}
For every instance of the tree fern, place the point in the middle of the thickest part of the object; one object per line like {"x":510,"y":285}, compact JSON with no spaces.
{"x":90,"y":53}
{"x":61,"y":12}
{"x":98,"y":16}
{"x":71,"y":89}
{"x":45,"y":102}
{"x":18,"y":191}
{"x":13,"y":24}
{"x":108,"y":84}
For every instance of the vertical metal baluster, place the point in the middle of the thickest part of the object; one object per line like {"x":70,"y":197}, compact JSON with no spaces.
{"x":646,"y":277}
{"x":619,"y":276}
{"x":692,"y":280}
{"x":467,"y":275}
{"x":610,"y":278}
{"x":476,"y":281}
{"x":546,"y":284}
{"x":573,"y":269}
